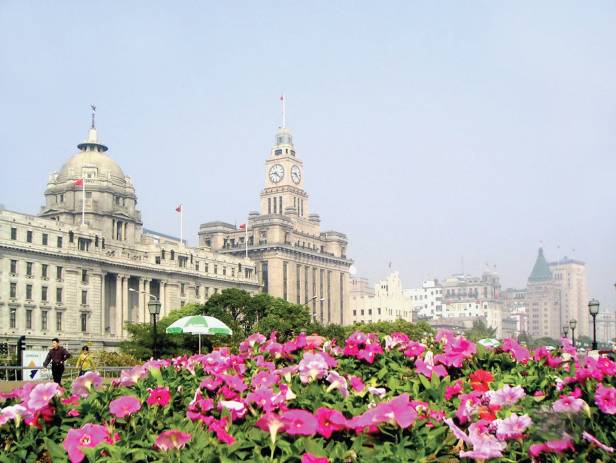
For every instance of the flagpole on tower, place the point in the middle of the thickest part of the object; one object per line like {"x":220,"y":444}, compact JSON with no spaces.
{"x":181,"y":224}
{"x":246,"y":239}
{"x":83,"y":201}
{"x":284,"y":111}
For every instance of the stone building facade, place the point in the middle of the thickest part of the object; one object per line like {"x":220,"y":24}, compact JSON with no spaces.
{"x":295,"y":259}
{"x":388,"y":302}
{"x":570,"y":276}
{"x":84,"y":281}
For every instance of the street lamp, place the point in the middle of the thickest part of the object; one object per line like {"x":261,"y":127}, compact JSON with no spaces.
{"x":593,"y":308}
{"x":572,"y":325}
{"x":314,"y":312}
{"x":565,"y":330}
{"x":154,"y":308}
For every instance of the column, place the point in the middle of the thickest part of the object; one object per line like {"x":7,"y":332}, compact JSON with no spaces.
{"x":162,"y":299}
{"x":124,"y":304}
{"x":104,"y":320}
{"x":117,"y":309}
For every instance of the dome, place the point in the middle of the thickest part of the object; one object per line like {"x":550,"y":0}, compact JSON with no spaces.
{"x":92,"y":158}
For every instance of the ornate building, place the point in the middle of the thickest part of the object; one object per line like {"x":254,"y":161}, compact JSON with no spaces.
{"x":296,"y":260}
{"x":543,"y":301}
{"x":387,"y":302}
{"x":86,"y":266}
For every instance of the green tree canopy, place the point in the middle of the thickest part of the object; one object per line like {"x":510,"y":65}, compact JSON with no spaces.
{"x":480,"y":331}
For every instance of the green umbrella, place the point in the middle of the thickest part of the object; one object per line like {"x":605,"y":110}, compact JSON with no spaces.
{"x":199,"y":324}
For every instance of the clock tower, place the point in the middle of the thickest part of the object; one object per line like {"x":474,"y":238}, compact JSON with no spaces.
{"x":284,"y":179}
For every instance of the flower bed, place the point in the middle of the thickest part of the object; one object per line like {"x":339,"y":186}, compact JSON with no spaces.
{"x":308,"y":400}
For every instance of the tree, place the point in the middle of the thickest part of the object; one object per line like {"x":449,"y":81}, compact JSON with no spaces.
{"x":480,"y":331}
{"x":416,"y":331}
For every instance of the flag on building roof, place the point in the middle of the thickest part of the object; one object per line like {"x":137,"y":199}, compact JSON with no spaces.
{"x":78,"y":182}
{"x":243,"y":226}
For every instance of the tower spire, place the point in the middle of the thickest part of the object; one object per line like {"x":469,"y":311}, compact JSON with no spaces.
{"x":284,"y":111}
{"x":93,"y":116}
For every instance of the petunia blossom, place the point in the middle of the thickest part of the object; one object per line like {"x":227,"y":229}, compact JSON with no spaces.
{"x":512,"y":427}
{"x":506,"y":395}
{"x":310,"y":458}
{"x":84,"y":383}
{"x":172,"y":439}
{"x":299,"y":422}
{"x":12,"y":412}
{"x":159,"y":396}
{"x":272,"y":423}
{"x":568,"y":404}
{"x":124,"y":406}
{"x":312,"y":366}
{"x":593,"y":440}
{"x":329,"y":421}
{"x":88,"y":436}
{"x":41,"y":394}
{"x":605,"y":398}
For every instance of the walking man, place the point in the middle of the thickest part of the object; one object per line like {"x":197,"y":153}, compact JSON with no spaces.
{"x":57,"y":356}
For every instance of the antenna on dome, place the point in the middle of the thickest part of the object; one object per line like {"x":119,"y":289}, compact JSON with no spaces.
{"x":284,"y":111}
{"x":93,"y":116}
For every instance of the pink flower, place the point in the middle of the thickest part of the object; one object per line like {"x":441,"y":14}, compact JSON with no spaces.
{"x":593,"y":440}
{"x":426,"y":366}
{"x":453,"y":391}
{"x":414,"y":349}
{"x":506,"y":395}
{"x":41,"y":395}
{"x":553,"y":446}
{"x":310,"y":458}
{"x":457,"y":431}
{"x":236,"y":409}
{"x":124,"y":406}
{"x":173,"y":439}
{"x":485,"y":445}
{"x":398,"y":411}
{"x":132,"y":376}
{"x":456,"y":351}
{"x":357,"y":384}
{"x":312,"y":366}
{"x":512,"y":427}
{"x":272,"y":423}
{"x":89,"y":436}
{"x":73,"y":412}
{"x":264,"y":379}
{"x":299,"y":422}
{"x":519,"y":353}
{"x":159,"y":396}
{"x":329,"y":421}
{"x":605,"y":398}
{"x":12,"y":412}
{"x":568,"y":404}
{"x":337,"y":382}
{"x":83,"y":384}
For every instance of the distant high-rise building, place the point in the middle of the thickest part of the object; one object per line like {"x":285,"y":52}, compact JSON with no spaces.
{"x":427,"y":300}
{"x":570,"y":275}
{"x":543,"y":301}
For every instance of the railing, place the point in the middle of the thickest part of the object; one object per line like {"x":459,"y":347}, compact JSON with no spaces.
{"x":16,"y":373}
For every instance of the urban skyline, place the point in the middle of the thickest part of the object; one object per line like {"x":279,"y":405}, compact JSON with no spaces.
{"x":477,"y":161}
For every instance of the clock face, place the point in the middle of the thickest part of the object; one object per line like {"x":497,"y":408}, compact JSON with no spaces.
{"x":276,"y":173}
{"x":296,"y":174}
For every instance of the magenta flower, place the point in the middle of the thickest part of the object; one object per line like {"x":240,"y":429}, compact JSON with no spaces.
{"x":456,"y":351}
{"x":337,"y":382}
{"x":414,"y":349}
{"x":593,"y":440}
{"x":159,"y":396}
{"x":506,"y":395}
{"x":272,"y":423}
{"x":512,"y":427}
{"x":173,"y":439}
{"x":264,"y":379}
{"x":605,"y":398}
{"x":329,"y":421}
{"x":41,"y":395}
{"x":132,"y":376}
{"x":485,"y":445}
{"x":84,"y":384}
{"x":453,"y":391}
{"x":568,"y":404}
{"x":519,"y":353}
{"x":357,"y":384}
{"x":554,"y":446}
{"x":311,"y":367}
{"x":310,"y":458}
{"x":124,"y":406}
{"x":426,"y":366}
{"x":89,"y":436}
{"x":398,"y":411}
{"x":299,"y":422}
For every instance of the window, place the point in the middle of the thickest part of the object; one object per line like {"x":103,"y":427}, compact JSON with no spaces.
{"x":29,"y":292}
{"x":88,"y":194}
{"x":13,"y":291}
{"x":71,"y":236}
{"x":58,"y":321}
{"x":13,"y":233}
{"x":162,"y":254}
{"x":84,"y":297}
{"x":44,"y":293}
{"x":59,"y":295}
{"x":59,"y":242}
{"x":197,"y":291}
{"x":84,"y":276}
{"x":84,"y":322}
{"x":44,"y":320}
{"x":172,"y":255}
{"x":182,"y":289}
{"x":206,"y":268}
{"x":44,"y":270}
{"x":29,"y":269}
{"x":215,"y":269}
{"x":13,"y":318}
{"x":29,"y":319}
{"x":59,"y":273}
{"x":29,"y":236}
{"x":45,"y":239}
{"x":13,"y":267}
{"x":224,"y":270}
{"x":61,"y":198}
{"x":284,"y":280}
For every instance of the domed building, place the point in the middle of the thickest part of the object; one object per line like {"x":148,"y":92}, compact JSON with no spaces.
{"x":110,"y":201}
{"x":85,"y":267}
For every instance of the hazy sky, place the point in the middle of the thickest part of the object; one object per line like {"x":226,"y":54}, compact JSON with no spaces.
{"x":436,"y":135}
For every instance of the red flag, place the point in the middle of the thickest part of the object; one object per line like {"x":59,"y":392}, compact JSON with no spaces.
{"x":281,"y":97}
{"x":78,"y":182}
{"x":179,"y":208}
{"x":243,"y":226}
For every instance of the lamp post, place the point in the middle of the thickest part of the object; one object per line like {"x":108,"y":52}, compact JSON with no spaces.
{"x":314,"y":312}
{"x":572,"y":325}
{"x":154,"y":308}
{"x":565,"y":330}
{"x":593,"y":308}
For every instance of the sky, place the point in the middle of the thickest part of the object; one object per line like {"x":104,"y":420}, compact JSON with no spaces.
{"x":439,"y":136}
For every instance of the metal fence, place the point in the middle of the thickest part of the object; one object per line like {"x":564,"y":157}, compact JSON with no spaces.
{"x":17,"y":373}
